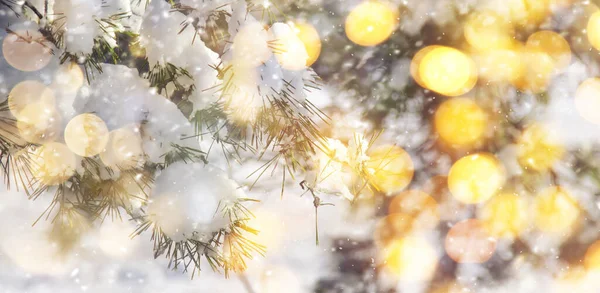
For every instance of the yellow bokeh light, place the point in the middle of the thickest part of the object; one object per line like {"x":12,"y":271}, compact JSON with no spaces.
{"x":53,"y":163}
{"x":587,"y":100}
{"x":460,"y":122}
{"x":556,"y":211}
{"x":371,"y":23}
{"x":39,"y":123}
{"x":389,"y":168}
{"x":447,"y":71}
{"x":592,"y":257}
{"x":540,"y":68}
{"x":311,"y":40}
{"x":411,"y":258}
{"x":289,"y":50}
{"x":416,"y":61}
{"x":538,"y":148}
{"x":487,"y":30}
{"x":505,"y":215}
{"x":26,"y":93}
{"x":476,"y":178}
{"x":593,"y":30}
{"x":526,"y":13}
{"x":502,"y":65}
{"x":27,"y":50}
{"x":69,"y":77}
{"x":124,"y":149}
{"x":552,"y":44}
{"x":419,"y":205}
{"x":392,"y":227}
{"x":271,"y":229}
{"x":469,"y":242}
{"x":86,"y":135}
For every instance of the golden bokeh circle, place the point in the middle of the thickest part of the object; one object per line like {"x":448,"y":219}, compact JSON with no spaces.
{"x":505,"y":215}
{"x":552,"y":44}
{"x":447,"y":71}
{"x":419,"y":205}
{"x":540,"y":68}
{"x":39,"y":123}
{"x":556,"y":211}
{"x":411,"y":258}
{"x":591,"y":260}
{"x":29,"y":92}
{"x":460,"y":122}
{"x":469,"y":242}
{"x":502,"y":65}
{"x":476,"y":178}
{"x":86,"y":135}
{"x":27,"y":50}
{"x":371,"y":23}
{"x":123,"y":149}
{"x":587,"y":100}
{"x":53,"y":163}
{"x":486,"y":30}
{"x":538,"y":148}
{"x":311,"y":40}
{"x":389,"y":168}
{"x":593,"y":30}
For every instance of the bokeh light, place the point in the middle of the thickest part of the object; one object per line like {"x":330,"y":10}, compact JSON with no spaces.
{"x":460,"y":122}
{"x":86,"y":135}
{"x":69,"y":77}
{"x":447,"y":71}
{"x":421,"y":207}
{"x":476,"y":178}
{"x":123,"y":149}
{"x":556,"y":211}
{"x":505,"y":215}
{"x":411,"y":258}
{"x":371,"y":23}
{"x":540,"y":68}
{"x":29,"y":92}
{"x":389,"y":168}
{"x":591,"y":260}
{"x":488,"y":30}
{"x":27,"y":50}
{"x":593,"y":30}
{"x":53,"y":163}
{"x":539,"y":148}
{"x":311,"y":40}
{"x":587,"y":100}
{"x":501,"y":65}
{"x":469,"y":242}
{"x":552,"y":44}
{"x":39,"y":123}
{"x":289,"y":50}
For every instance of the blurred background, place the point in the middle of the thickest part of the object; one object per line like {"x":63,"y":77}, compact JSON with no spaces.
{"x":494,"y":106}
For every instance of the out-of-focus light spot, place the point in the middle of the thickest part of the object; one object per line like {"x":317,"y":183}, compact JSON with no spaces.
{"x":27,"y":50}
{"x":487,"y":30}
{"x":540,"y":68}
{"x":415,"y":63}
{"x":552,"y":44}
{"x":460,"y":122}
{"x":502,"y":65}
{"x":411,"y":258}
{"x":555,"y":211}
{"x":526,"y":13}
{"x":419,"y":205}
{"x":86,"y":135}
{"x":289,"y":50}
{"x":39,"y":123}
{"x":29,"y":92}
{"x":539,"y":148}
{"x":469,"y":242}
{"x":251,"y":46}
{"x":592,"y":257}
{"x":53,"y":163}
{"x":389,"y":168}
{"x":587,"y":100}
{"x":447,"y":71}
{"x":505,"y":215}
{"x":311,"y":40}
{"x":593,"y":30}
{"x":123,"y":149}
{"x":69,"y":77}
{"x":371,"y":23}
{"x":392,"y":227}
{"x":476,"y":178}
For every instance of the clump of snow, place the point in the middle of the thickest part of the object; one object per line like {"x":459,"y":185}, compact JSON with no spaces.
{"x":188,"y":199}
